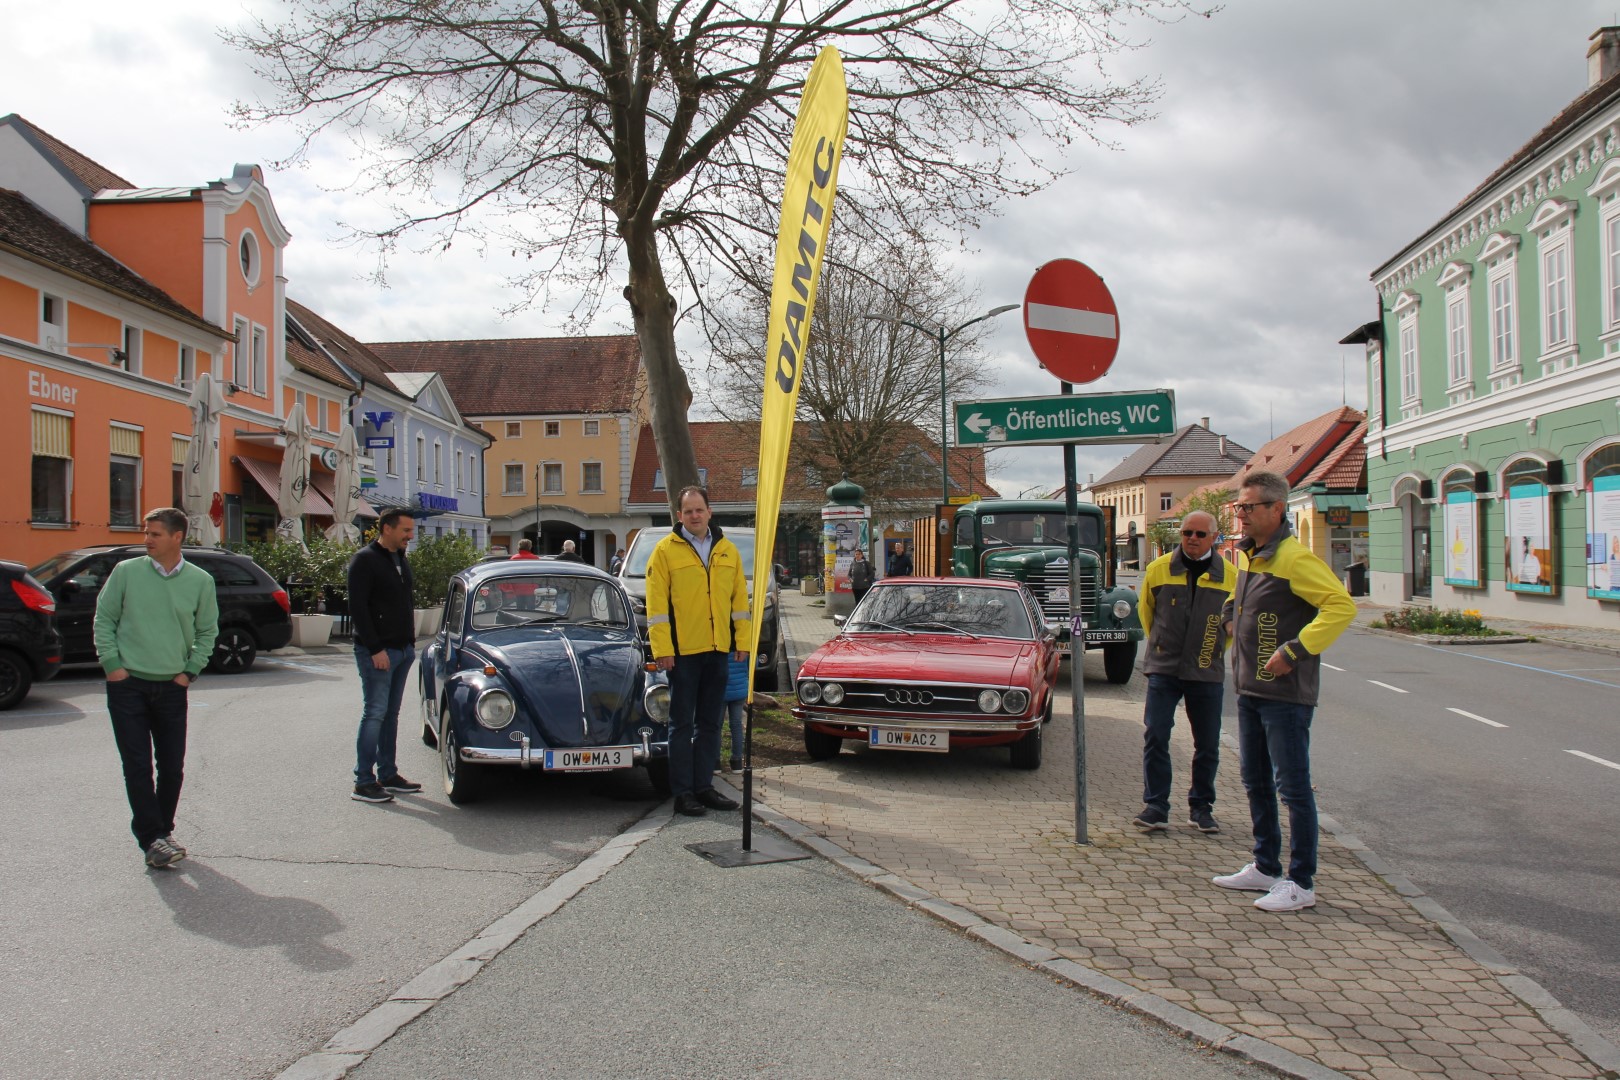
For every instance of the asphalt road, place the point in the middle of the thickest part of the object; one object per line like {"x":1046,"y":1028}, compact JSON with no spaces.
{"x":1491,"y":777}
{"x":298,"y":910}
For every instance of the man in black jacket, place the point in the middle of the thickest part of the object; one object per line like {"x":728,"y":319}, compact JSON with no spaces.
{"x":382,"y":608}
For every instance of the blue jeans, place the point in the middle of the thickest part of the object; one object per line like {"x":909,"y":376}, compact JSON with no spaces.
{"x":1204,"y":716}
{"x":1275,"y":739}
{"x":149,"y":722}
{"x":734,"y":715}
{"x":697,"y":704}
{"x":381,"y":693}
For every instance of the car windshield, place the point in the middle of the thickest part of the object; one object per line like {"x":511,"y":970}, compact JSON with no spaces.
{"x":981,"y":611}
{"x":546,"y":599}
{"x":1035,"y":529}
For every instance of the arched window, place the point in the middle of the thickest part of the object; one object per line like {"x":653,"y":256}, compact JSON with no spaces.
{"x":1460,"y":543}
{"x":1601,"y":476}
{"x":1605,"y":462}
{"x":1530,"y":554}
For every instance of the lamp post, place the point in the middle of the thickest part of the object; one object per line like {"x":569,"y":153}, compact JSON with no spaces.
{"x":942,"y":335}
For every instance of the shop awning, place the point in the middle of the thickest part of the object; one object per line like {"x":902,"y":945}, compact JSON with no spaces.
{"x":1356,"y":503}
{"x":322,"y":483}
{"x":267,"y":474}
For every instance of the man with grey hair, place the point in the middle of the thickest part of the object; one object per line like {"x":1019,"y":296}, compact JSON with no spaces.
{"x":1287,"y":608}
{"x":1183,"y":593}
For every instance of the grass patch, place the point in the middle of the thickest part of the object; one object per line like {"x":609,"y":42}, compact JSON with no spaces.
{"x":778,"y":738}
{"x":1450,"y":622}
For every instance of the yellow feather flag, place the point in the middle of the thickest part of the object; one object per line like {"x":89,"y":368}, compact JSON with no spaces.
{"x":807,"y":212}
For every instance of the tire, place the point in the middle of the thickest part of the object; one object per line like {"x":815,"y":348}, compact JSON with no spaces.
{"x":463,"y":783}
{"x":430,"y":737}
{"x":1119,"y":661}
{"x":1051,"y":703}
{"x":234,"y":651}
{"x":15,"y":679}
{"x":658,"y":773}
{"x":821,"y":746}
{"x":1026,"y":752}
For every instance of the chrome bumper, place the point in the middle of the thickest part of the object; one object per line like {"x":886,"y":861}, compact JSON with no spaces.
{"x":526,"y":756}
{"x":926,"y":723}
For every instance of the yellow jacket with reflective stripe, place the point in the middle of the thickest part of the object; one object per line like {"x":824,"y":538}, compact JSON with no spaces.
{"x":696,"y":609}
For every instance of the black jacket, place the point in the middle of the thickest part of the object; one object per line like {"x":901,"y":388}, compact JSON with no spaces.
{"x":381,"y":598}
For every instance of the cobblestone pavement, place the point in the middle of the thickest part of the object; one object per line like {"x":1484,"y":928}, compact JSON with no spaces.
{"x":1363,"y":983}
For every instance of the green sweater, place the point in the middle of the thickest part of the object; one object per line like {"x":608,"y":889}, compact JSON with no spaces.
{"x":153,"y":626}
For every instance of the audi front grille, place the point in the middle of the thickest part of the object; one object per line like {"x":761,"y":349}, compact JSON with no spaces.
{"x":921,"y":699}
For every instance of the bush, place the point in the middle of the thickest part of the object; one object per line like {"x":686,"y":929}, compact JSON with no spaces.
{"x":1428,"y":621}
{"x":311,"y":576}
{"x":437,"y":559}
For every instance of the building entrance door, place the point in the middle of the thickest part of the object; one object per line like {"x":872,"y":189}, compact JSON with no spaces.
{"x":1422,"y":568}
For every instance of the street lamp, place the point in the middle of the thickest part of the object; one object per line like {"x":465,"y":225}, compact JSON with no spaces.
{"x":942,"y":335}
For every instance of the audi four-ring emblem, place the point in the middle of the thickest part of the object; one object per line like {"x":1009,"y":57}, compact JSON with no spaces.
{"x":908,"y":697}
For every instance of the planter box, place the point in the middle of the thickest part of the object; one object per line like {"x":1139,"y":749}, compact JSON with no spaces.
{"x":427,"y":620}
{"x":309,"y":630}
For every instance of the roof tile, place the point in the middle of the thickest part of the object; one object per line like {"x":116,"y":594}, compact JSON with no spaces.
{"x":508,"y":376}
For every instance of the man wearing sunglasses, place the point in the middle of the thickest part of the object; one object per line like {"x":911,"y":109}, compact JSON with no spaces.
{"x":1183,"y":593}
{"x":1286,"y":610}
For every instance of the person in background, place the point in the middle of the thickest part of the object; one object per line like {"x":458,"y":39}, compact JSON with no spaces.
{"x":525,"y":550}
{"x":900,"y":562}
{"x":860,"y":575}
{"x":736,"y":704}
{"x":568,"y":553}
{"x":617,"y":562}
{"x":382,"y":610}
{"x":156,"y":621}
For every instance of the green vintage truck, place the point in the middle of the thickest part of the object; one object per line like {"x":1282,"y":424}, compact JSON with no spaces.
{"x":1027,"y":540}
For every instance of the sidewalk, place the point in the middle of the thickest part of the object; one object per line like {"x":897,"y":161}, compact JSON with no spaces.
{"x":1377,"y":981}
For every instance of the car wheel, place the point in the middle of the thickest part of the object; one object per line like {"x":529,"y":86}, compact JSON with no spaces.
{"x":1119,"y":661}
{"x":1051,"y":703}
{"x":430,"y":737}
{"x":1026,"y":752}
{"x":821,"y":746}
{"x":15,"y":679}
{"x":463,"y":783}
{"x":234,"y":651}
{"x":658,"y":773}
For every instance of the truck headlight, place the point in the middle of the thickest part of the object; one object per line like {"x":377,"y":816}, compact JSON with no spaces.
{"x":1015,"y":701}
{"x":809,"y":692}
{"x":656,"y":702}
{"x":495,"y":709}
{"x":989,"y":700}
{"x":1122,"y":609}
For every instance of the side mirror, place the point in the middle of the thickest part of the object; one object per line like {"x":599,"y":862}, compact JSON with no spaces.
{"x":840,"y":620}
{"x":1053,"y":627}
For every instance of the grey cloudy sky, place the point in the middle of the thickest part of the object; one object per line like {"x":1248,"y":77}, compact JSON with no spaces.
{"x":1297,"y":146}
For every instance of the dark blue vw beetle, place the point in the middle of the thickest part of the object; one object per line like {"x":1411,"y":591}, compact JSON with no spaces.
{"x":539,"y":666}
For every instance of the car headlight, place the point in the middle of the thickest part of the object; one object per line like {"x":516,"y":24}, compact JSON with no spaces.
{"x":809,"y":692}
{"x":1122,"y":609}
{"x":989,"y":700}
{"x":495,"y":709}
{"x":1015,"y":701}
{"x":656,"y":702}
{"x":832,"y":693}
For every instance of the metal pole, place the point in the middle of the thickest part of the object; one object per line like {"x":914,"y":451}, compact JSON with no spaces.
{"x":944,"y":430}
{"x":748,"y":776}
{"x":1077,"y":640}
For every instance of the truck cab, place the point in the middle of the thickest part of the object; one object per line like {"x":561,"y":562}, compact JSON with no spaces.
{"x":1027,"y":540}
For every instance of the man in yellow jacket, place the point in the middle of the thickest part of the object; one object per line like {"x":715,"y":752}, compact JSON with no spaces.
{"x":698,"y":618}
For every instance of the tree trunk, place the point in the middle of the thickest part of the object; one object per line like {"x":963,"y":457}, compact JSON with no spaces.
{"x":654,"y":311}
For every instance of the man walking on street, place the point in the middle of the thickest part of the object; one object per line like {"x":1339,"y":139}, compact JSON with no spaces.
{"x":698,"y":619}
{"x":382,"y":609}
{"x":156,"y":620}
{"x":1183,"y":593}
{"x":1286,"y":610}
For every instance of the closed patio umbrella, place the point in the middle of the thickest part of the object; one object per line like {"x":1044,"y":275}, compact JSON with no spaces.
{"x":345,"y":488}
{"x":294,"y":477}
{"x":200,"y":483}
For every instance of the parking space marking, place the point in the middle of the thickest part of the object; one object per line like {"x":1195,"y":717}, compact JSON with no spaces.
{"x":1475,"y":716}
{"x":1330,"y":667}
{"x":1594,"y":757}
{"x":1386,"y":686}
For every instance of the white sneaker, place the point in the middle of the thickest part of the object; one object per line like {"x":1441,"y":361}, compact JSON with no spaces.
{"x":1249,"y":878}
{"x":1286,"y":896}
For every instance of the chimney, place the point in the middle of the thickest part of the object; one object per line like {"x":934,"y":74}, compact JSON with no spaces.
{"x":1203,"y":422}
{"x":1223,"y":446}
{"x":1603,"y":55}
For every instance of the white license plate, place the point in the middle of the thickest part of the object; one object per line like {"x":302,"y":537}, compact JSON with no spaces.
{"x":591,"y":759}
{"x":895,"y":738}
{"x":1107,"y":635}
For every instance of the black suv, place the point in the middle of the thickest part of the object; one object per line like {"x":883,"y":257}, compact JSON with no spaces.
{"x":30,"y":647}
{"x":254,"y":612}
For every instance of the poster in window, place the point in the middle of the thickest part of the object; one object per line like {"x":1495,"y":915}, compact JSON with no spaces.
{"x":1530,"y":567}
{"x":1462,"y":540}
{"x":1603,"y":538}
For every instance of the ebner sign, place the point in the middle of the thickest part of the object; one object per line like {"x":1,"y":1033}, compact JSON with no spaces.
{"x":1131,"y":416}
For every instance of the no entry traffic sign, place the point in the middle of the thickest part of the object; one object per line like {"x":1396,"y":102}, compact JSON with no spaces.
{"x":1071,"y":321}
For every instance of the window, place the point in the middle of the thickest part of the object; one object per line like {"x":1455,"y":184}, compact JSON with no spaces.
{"x":131,"y":360}
{"x":591,"y":477}
{"x":472,"y":473}
{"x":438,"y":462}
{"x":1166,"y":500}
{"x":52,"y":320}
{"x":247,"y":252}
{"x":553,"y":428}
{"x":1553,"y":224}
{"x":187,"y":374}
{"x":511,"y":479}
{"x":177,"y":486}
{"x":1406,"y":309}
{"x":1454,"y":283}
{"x":392,"y":471}
{"x":1611,"y":265}
{"x":421,"y":458}
{"x":124,"y":477}
{"x":239,"y":353}
{"x":52,"y":480}
{"x":1555,"y":300}
{"x":1375,"y":382}
{"x":592,"y":428}
{"x":551,"y":478}
{"x":458,"y":470}
{"x":658,"y":479}
{"x":259,"y":359}
{"x":750,"y":476}
{"x":514,"y":429}
{"x":1502,"y":284}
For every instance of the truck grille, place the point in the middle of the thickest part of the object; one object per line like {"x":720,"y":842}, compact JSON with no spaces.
{"x":1057,"y":577}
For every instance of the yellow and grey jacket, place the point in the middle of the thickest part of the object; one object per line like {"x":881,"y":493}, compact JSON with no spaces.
{"x":692,"y":608}
{"x":1183,"y":624}
{"x":1286,"y":599}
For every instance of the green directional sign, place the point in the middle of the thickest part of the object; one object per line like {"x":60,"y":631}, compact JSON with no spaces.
{"x":1130,"y":416}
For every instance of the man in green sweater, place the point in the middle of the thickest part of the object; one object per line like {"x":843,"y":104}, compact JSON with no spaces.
{"x":156,"y":620}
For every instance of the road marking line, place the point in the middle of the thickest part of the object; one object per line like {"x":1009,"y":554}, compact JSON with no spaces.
{"x":1330,"y":667}
{"x":1593,"y":757}
{"x":1475,"y":716}
{"x":1386,"y":686}
{"x":1452,"y":650}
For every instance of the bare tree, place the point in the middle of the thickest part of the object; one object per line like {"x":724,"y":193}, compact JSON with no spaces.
{"x":625,"y":134}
